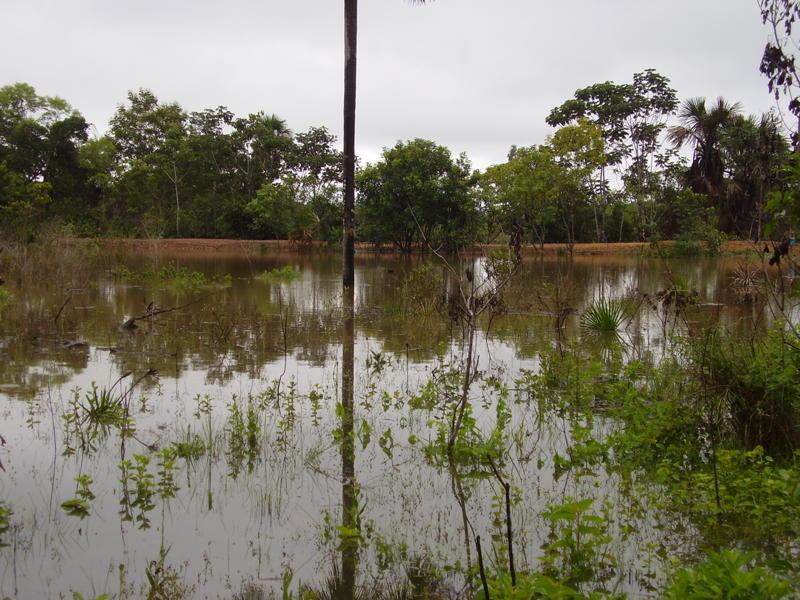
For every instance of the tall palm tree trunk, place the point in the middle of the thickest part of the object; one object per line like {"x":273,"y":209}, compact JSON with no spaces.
{"x":348,"y":220}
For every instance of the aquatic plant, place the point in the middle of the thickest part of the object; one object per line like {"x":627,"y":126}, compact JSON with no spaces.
{"x":748,"y":283}
{"x":243,"y":435}
{"x":6,"y":297}
{"x":576,"y":550}
{"x":163,"y":581}
{"x":191,"y":447}
{"x":758,"y":384}
{"x":144,"y":489}
{"x":5,"y":522}
{"x":80,"y":505}
{"x":605,"y":315}
{"x":174,"y":277}
{"x":283,"y":274}
{"x":422,"y":290}
{"x":89,"y":420}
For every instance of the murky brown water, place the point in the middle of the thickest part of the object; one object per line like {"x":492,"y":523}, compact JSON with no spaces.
{"x":255,"y":516}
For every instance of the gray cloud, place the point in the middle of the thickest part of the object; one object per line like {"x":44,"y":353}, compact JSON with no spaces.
{"x":476,"y":75}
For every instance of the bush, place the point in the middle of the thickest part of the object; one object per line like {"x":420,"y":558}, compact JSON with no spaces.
{"x":728,"y":574}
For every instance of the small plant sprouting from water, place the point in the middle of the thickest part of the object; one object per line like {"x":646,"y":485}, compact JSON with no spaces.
{"x":604,"y":316}
{"x":81,"y":505}
{"x":166,"y":473}
{"x":283,"y":274}
{"x":5,"y":522}
{"x":315,"y":398}
{"x":243,"y":432}
{"x":576,"y":552}
{"x":191,"y":447}
{"x":163,"y":581}
{"x":6,"y":298}
{"x":422,"y":290}
{"x":174,"y":277}
{"x":135,"y":474}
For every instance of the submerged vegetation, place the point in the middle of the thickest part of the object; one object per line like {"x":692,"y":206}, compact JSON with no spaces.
{"x":645,"y":447}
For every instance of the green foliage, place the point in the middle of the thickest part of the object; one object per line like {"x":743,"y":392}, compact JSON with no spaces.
{"x":243,"y":432}
{"x":144,"y":490}
{"x":283,"y":274}
{"x":80,"y":505}
{"x":418,"y":194}
{"x":90,"y":420}
{"x":275,"y":214}
{"x":534,"y":585}
{"x":727,"y":574}
{"x":191,"y":447}
{"x":164,"y":582}
{"x":422,"y":290}
{"x":759,"y":501}
{"x":6,"y":298}
{"x":605,"y":315}
{"x":5,"y":522}
{"x":759,"y":384}
{"x":577,"y":546}
{"x":174,"y":277}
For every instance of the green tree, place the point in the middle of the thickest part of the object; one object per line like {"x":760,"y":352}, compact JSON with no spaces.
{"x":632,"y":117}
{"x":754,"y":151}
{"x":149,"y":138}
{"x":702,"y":128}
{"x":418,"y":194}
{"x":350,"y":61}
{"x":42,"y":177}
{"x":521,"y":193}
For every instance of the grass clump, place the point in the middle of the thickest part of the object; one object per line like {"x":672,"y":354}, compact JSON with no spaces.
{"x":283,"y":274}
{"x":5,"y":522}
{"x":174,"y":277}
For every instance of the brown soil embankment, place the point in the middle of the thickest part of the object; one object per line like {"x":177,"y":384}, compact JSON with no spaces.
{"x":250,"y":247}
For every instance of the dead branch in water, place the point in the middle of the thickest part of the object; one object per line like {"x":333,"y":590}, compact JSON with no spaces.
{"x":131,"y":323}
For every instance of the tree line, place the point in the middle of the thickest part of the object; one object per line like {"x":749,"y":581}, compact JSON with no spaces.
{"x":626,"y":162}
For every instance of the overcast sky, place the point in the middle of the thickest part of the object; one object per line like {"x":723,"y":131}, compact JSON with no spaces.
{"x":475,"y":75}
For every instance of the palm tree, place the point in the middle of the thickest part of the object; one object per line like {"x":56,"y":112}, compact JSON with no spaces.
{"x":754,"y":150}
{"x":348,"y":221}
{"x":701,"y":127}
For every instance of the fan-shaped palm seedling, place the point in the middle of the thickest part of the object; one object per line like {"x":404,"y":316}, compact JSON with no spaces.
{"x":748,"y":283}
{"x":605,"y":315}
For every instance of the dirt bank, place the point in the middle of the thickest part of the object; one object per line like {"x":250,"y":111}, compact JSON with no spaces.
{"x":254,"y":247}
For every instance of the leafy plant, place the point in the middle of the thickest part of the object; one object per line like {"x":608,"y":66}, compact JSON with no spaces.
{"x":5,"y":522}
{"x":80,"y":505}
{"x":283,"y":274}
{"x":576,"y":550}
{"x":728,"y":574}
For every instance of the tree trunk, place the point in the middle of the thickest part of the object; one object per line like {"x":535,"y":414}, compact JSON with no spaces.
{"x":348,"y":221}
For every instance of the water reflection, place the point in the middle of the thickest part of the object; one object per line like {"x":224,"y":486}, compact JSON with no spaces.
{"x":350,"y":531}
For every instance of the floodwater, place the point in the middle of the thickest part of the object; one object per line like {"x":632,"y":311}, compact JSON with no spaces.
{"x":276,"y":493}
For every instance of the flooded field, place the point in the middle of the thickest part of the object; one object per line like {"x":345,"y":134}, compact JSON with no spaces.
{"x":178,"y":424}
